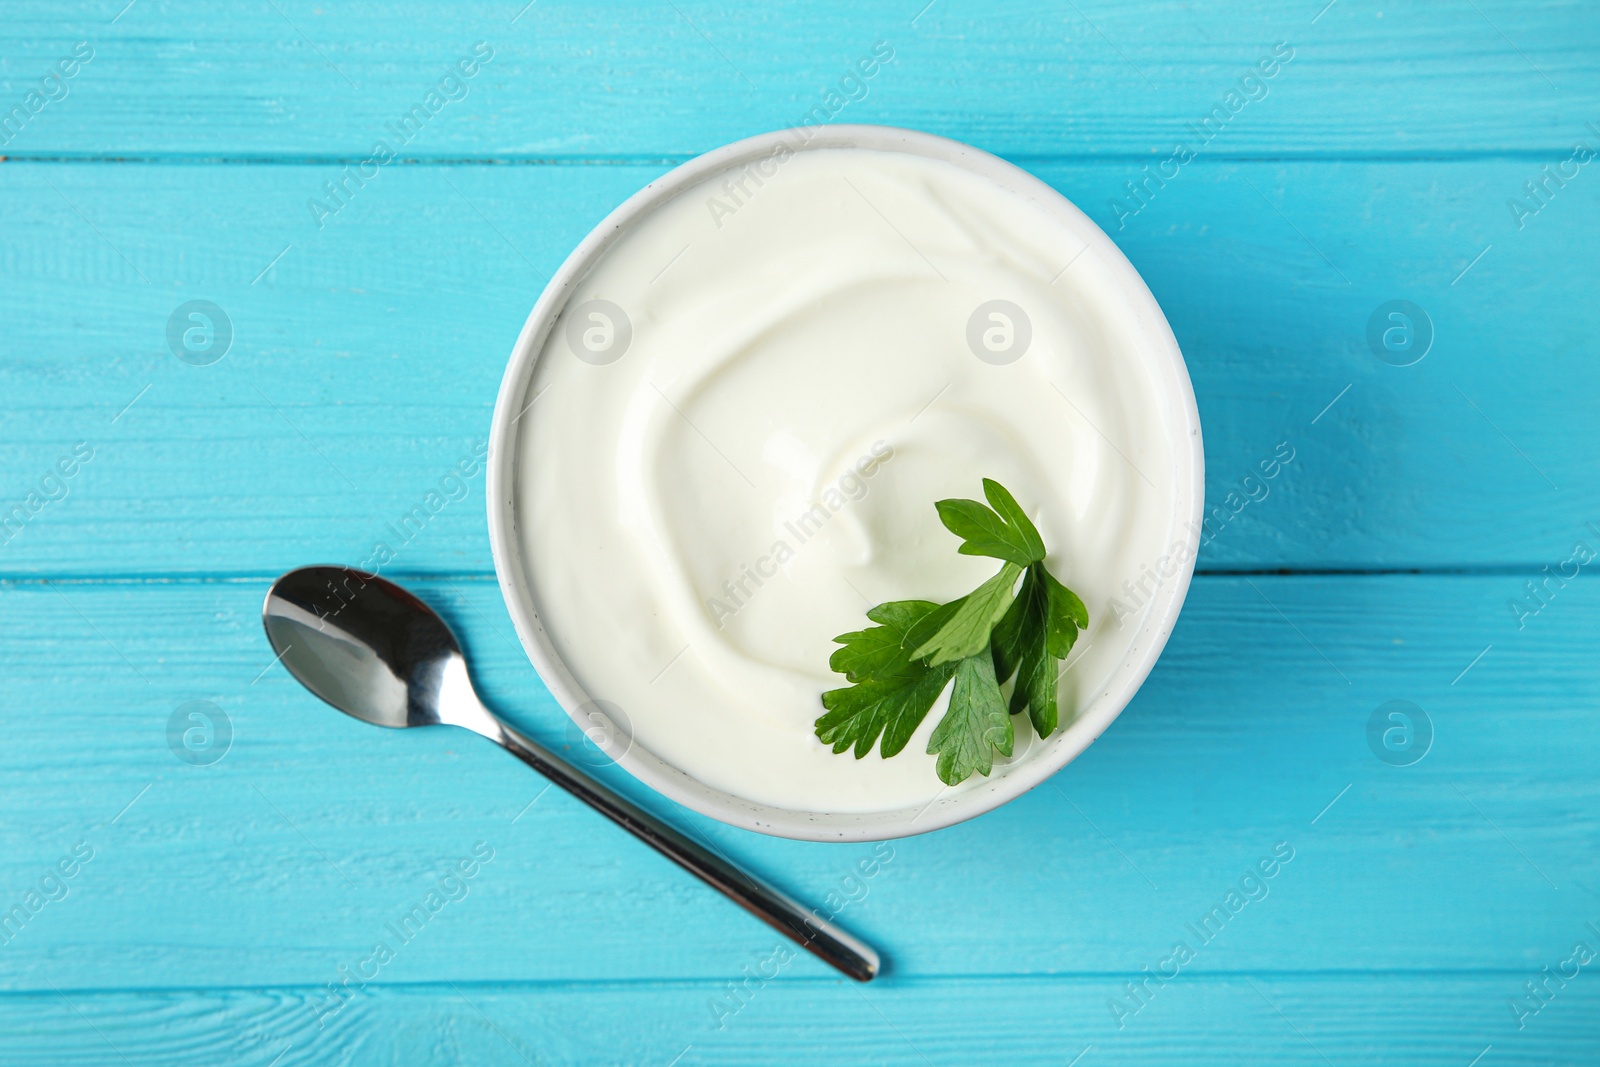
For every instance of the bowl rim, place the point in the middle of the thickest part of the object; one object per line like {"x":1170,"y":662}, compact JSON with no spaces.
{"x":946,"y":809}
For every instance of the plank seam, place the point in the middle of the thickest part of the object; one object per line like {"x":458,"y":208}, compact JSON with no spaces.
{"x":1540,"y":154}
{"x":1495,"y":570}
{"x":718,"y":982}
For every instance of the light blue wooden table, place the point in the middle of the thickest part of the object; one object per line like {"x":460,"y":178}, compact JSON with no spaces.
{"x":1388,"y":158}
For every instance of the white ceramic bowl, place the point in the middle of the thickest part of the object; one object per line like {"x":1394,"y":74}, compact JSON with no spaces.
{"x":1012,"y":780}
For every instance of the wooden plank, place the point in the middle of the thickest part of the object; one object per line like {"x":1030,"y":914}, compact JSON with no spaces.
{"x":607,"y":79}
{"x":293,"y":853}
{"x":221,"y":899}
{"x":1224,"y":1019}
{"x":364,"y":365}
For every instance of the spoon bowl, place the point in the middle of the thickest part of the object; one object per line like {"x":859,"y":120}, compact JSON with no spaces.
{"x":363,"y":644}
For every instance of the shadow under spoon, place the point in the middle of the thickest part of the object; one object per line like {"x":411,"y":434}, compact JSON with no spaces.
{"x":377,"y":653}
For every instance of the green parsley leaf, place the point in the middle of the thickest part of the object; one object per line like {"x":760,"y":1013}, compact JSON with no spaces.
{"x":985,"y":533}
{"x":983,"y":640}
{"x":893,"y":691}
{"x":1006,"y":505}
{"x":1021,"y":646}
{"x":976,"y":724}
{"x":1067,"y":615}
{"x":921,"y":631}
{"x":966,"y":633}
{"x":1036,"y":688}
{"x":1006,"y":640}
{"x":876,"y":653}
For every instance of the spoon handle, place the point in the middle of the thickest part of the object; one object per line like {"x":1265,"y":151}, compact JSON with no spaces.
{"x":816,"y":935}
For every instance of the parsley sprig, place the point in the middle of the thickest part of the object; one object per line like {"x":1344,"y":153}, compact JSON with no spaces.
{"x":898,"y":668}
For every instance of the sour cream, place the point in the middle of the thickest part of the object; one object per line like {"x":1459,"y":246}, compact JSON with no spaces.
{"x":739,"y":426}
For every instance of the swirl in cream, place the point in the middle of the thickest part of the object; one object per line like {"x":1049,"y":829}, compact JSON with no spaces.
{"x":743,"y":420}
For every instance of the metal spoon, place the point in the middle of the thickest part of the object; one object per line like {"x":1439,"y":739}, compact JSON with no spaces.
{"x":375,"y":652}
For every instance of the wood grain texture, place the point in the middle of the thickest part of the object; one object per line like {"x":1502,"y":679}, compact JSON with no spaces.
{"x":293,"y":853}
{"x":1442,"y":1020}
{"x":1380,"y":163}
{"x":365,"y":362}
{"x":602,"y":80}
